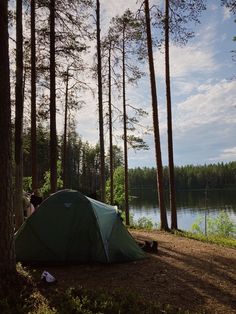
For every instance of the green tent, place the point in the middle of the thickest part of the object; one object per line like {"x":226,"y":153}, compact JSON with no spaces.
{"x":70,"y":227}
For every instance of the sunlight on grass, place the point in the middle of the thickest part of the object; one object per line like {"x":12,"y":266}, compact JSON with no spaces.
{"x":227,"y":242}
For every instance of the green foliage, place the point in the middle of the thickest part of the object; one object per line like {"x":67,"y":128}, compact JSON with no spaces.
{"x":141,"y":223}
{"x":137,"y":143}
{"x":220,"y":226}
{"x":82,"y":166}
{"x":119,"y":192}
{"x":144,"y":223}
{"x":131,"y":218}
{"x":45,"y":190}
{"x":196,"y":226}
{"x":227,"y":242}
{"x":27,"y":183}
{"x":79,"y":300}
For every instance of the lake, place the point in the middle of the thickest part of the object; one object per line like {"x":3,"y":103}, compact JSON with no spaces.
{"x":190,"y":205}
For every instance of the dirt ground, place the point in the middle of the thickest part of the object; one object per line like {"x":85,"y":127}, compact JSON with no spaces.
{"x":184,"y":273}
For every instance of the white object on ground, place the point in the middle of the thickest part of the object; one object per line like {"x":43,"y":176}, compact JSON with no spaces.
{"x":47,"y":277}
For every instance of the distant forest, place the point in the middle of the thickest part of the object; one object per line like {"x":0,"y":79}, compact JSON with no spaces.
{"x":83,"y":167}
{"x":212,"y":176}
{"x":82,"y":164}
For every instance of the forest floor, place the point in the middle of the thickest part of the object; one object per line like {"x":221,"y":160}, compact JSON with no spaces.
{"x":184,"y":273}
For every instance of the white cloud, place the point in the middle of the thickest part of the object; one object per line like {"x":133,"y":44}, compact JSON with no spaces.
{"x":207,"y":34}
{"x":191,"y":59}
{"x":195,"y":61}
{"x":114,"y":7}
{"x":213,"y":7}
{"x":87,"y":119}
{"x":227,"y":154}
{"x":204,"y":87}
{"x":226,"y":14}
{"x":205,"y":124}
{"x":204,"y":127}
{"x":189,"y":67}
{"x":214,"y":103}
{"x":111,"y":8}
{"x":193,"y":64}
{"x":184,"y":87}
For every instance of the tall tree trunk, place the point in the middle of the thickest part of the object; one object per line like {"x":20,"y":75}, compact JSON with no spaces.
{"x":100,"y":107}
{"x":53,"y":132}
{"x":125,"y":135}
{"x":34,"y":163}
{"x":110,"y":130}
{"x":65,"y":133}
{"x":7,"y":255}
{"x":160,"y":184}
{"x":169,"y":123}
{"x":18,"y":195}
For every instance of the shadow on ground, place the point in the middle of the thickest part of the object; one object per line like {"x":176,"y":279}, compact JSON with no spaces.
{"x":184,"y":273}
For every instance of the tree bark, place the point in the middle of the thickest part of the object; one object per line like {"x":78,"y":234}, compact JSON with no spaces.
{"x":100,"y":108}
{"x":172,"y":193}
{"x":160,"y":184}
{"x":125,"y":135}
{"x":18,"y":194}
{"x":7,"y":255}
{"x":110,"y":130}
{"x":53,"y":132}
{"x":34,"y":162}
{"x":65,"y":133}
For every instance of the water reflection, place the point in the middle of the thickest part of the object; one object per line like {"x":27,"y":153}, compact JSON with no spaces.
{"x":190,"y":205}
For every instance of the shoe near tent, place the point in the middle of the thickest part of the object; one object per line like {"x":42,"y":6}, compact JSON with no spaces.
{"x":69,"y":227}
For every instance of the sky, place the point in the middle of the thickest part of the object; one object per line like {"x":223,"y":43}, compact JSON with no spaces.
{"x":203,"y":93}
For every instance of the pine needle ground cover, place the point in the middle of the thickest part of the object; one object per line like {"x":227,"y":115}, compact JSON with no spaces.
{"x":184,"y":276}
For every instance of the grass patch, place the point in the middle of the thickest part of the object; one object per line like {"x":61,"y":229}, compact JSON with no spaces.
{"x":80,"y":300}
{"x":37,"y":298}
{"x":215,"y":239}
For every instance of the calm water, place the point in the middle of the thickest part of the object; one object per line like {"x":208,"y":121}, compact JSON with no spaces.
{"x":190,"y":205}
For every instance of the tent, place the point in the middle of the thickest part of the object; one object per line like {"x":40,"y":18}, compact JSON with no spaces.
{"x":69,"y":227}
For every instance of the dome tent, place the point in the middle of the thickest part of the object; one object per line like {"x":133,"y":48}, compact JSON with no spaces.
{"x":70,"y":227}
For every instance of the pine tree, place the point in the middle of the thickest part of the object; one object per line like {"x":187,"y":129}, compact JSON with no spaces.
{"x":18,"y":195}
{"x":7,"y":256}
{"x":160,"y":184}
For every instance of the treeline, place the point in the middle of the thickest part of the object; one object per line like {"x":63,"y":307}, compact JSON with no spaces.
{"x":83,"y":164}
{"x":212,"y":176}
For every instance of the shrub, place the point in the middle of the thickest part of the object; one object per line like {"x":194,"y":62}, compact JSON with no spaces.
{"x":221,"y":226}
{"x":144,"y":223}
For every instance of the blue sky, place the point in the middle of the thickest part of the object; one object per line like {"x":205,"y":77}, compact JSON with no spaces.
{"x":203,"y":93}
